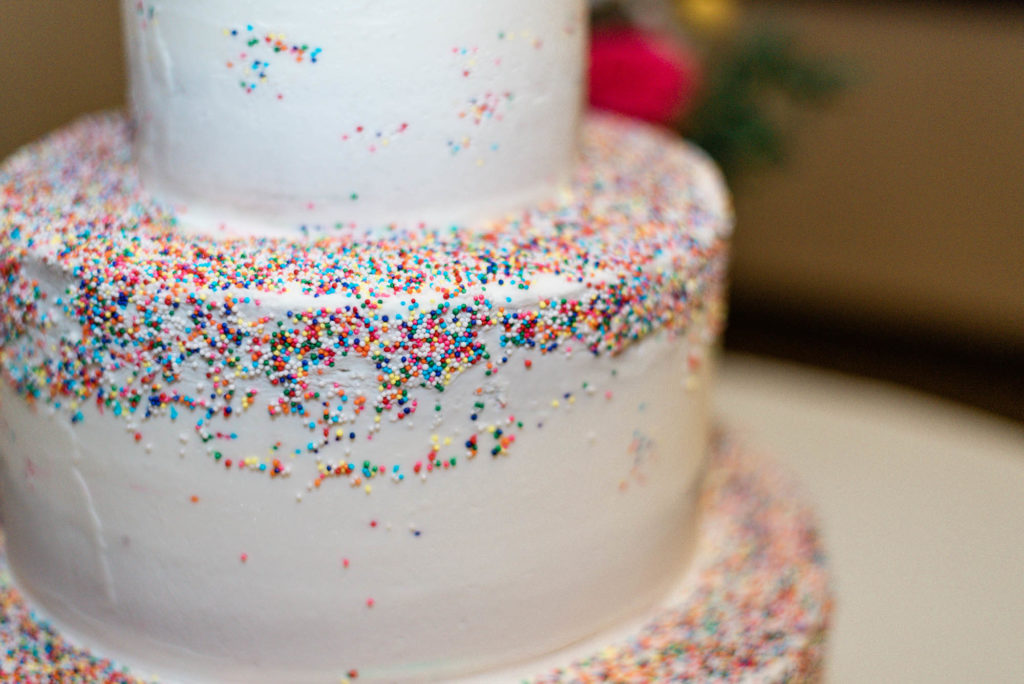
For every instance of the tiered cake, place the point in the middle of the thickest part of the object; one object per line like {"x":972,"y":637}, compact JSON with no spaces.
{"x":366,"y":356}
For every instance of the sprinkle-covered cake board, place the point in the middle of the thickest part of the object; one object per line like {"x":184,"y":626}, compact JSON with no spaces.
{"x":756,"y":604}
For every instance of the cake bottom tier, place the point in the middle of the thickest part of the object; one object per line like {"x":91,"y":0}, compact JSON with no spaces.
{"x":754,"y":604}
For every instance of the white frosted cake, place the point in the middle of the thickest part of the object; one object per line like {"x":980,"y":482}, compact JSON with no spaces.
{"x":354,"y":349}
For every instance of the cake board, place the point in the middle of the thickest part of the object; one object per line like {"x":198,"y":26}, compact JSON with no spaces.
{"x":754,"y":606}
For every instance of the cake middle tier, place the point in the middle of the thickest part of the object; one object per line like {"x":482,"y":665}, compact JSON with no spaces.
{"x":416,"y":455}
{"x":272,"y":116}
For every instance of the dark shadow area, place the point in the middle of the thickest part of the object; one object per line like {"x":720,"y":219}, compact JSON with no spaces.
{"x":989,"y":379}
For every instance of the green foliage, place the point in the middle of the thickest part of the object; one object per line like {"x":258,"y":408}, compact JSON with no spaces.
{"x":736,"y":120}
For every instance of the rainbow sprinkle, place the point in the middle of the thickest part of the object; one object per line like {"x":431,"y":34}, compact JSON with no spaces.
{"x":139,"y":302}
{"x":260,"y":51}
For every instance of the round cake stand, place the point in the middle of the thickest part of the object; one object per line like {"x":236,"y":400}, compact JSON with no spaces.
{"x":754,"y":606}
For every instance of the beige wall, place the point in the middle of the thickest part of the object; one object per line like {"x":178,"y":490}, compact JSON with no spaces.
{"x":58,"y":58}
{"x":903,"y":206}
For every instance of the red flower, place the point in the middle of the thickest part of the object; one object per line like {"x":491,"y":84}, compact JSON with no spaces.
{"x":641,"y":74}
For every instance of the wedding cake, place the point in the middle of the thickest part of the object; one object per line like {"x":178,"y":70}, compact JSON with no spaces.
{"x":354,"y":349}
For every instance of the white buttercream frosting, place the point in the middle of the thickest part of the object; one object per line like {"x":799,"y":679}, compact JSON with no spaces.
{"x":413,"y":456}
{"x":489,"y":564}
{"x":270,"y":115}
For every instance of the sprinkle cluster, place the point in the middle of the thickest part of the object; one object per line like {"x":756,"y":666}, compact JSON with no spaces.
{"x":145,"y":13}
{"x":489,"y":106}
{"x":35,"y":653}
{"x":259,"y":52}
{"x":104,"y":300}
{"x":760,"y":609}
{"x":374,"y":139}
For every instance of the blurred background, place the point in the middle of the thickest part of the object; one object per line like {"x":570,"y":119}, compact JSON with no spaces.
{"x":883,"y":235}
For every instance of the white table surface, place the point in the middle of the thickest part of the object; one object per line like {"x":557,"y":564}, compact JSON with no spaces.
{"x":922,"y":508}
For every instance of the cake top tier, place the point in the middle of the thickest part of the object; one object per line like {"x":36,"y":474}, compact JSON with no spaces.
{"x":268,"y":116}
